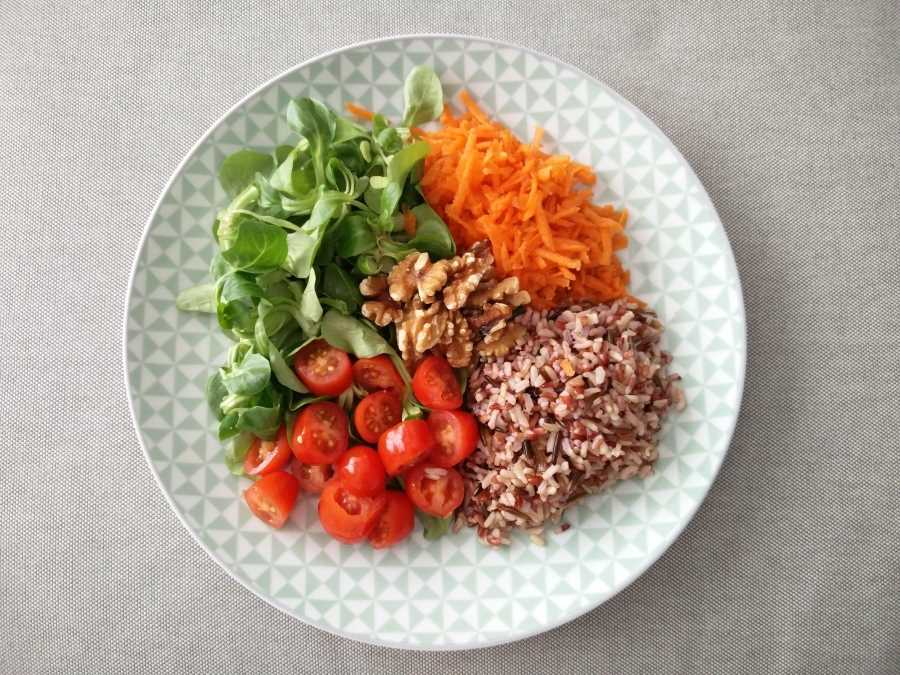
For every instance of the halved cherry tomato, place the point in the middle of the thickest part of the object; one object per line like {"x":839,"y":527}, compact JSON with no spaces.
{"x":321,"y":433}
{"x":272,"y":497}
{"x":404,"y":444}
{"x":377,"y":413}
{"x":455,"y":436}
{"x":348,"y":517}
{"x":435,"y":384}
{"x":434,"y":489}
{"x":378,"y":373}
{"x":361,"y":470}
{"x":268,"y":456}
{"x":324,"y":369}
{"x":396,"y":521}
{"x":312,"y":477}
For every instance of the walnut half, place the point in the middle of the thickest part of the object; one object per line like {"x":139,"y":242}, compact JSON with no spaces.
{"x":503,"y":342}
{"x":382,"y":312}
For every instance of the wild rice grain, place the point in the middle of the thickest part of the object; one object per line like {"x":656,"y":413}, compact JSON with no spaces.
{"x":577,"y":404}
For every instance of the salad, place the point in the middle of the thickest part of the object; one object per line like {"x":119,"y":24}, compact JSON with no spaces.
{"x":426,"y":321}
{"x":310,"y":388}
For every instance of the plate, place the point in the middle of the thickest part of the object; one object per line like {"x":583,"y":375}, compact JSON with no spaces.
{"x":456,"y":592}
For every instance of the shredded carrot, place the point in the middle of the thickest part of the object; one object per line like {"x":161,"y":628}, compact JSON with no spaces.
{"x":465,"y":174}
{"x":534,"y":208}
{"x":409,"y":222}
{"x":359,"y":111}
{"x":561,"y":260}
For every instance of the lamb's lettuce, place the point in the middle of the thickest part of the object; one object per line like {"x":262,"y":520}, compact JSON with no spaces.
{"x":304,"y":225}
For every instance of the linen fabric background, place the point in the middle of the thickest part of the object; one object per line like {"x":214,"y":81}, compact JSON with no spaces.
{"x":790,"y":114}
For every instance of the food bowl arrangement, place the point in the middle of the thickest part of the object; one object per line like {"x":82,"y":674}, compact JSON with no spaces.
{"x":434,"y":342}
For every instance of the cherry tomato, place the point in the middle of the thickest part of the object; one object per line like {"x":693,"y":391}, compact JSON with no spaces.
{"x":404,"y":444}
{"x":455,"y":436}
{"x":312,"y":477}
{"x":434,"y":489}
{"x":268,"y":456}
{"x":361,"y":471}
{"x":272,"y":497}
{"x":377,"y":413}
{"x":321,"y":433}
{"x":378,"y":373}
{"x":348,"y":517}
{"x":396,"y":521}
{"x":435,"y":385}
{"x":324,"y":369}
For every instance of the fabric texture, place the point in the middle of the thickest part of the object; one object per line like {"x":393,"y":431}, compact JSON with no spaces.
{"x":788,"y":111}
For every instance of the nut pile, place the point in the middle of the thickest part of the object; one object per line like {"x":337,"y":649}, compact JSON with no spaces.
{"x":454,"y":307}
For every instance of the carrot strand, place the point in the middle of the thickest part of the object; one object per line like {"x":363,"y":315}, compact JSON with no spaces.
{"x":359,"y":111}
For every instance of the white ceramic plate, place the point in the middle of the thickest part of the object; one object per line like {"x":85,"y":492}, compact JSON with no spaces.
{"x":453,"y":593}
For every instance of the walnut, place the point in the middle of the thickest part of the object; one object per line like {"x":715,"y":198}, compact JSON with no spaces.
{"x":430,"y":277}
{"x":429,"y":324}
{"x":380,"y":309}
{"x":472,"y":267}
{"x":417,"y":274}
{"x":492,"y":312}
{"x":488,"y":291}
{"x":503,"y":343}
{"x":519,"y":299}
{"x":382,"y":312}
{"x":402,"y":280}
{"x":506,"y":291}
{"x":494,"y":333}
{"x":456,"y":343}
{"x":420,"y":328}
{"x":372,"y":287}
{"x":446,"y":306}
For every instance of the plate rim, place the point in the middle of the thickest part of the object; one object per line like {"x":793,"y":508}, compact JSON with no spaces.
{"x":556,"y":622}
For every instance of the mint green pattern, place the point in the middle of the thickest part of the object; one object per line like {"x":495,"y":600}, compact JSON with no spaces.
{"x":453,"y":593}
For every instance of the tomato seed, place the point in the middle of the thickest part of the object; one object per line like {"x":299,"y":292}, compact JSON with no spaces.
{"x":348,"y":502}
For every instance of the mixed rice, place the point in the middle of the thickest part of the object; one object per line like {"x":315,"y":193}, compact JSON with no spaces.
{"x":574,"y":406}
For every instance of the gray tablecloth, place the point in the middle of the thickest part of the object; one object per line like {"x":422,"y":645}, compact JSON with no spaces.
{"x":790,"y":114}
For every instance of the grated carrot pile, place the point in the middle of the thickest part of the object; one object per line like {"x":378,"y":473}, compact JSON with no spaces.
{"x":534,"y":208}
